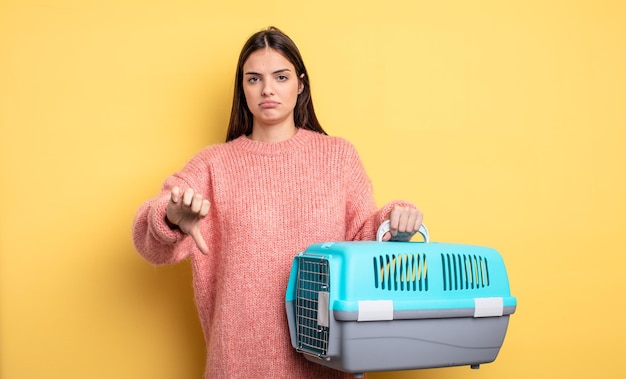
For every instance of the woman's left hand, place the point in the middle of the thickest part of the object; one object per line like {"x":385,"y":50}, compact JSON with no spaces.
{"x":404,"y":222}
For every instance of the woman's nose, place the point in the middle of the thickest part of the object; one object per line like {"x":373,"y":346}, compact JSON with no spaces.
{"x":267,"y":89}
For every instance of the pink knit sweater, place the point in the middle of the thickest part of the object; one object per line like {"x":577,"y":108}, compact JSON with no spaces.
{"x":268,"y":202}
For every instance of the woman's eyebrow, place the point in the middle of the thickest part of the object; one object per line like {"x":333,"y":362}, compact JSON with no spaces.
{"x":275,"y":72}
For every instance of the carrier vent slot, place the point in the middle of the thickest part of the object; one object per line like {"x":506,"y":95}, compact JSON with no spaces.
{"x":312,"y":278}
{"x":464,"y":272}
{"x":402,"y":272}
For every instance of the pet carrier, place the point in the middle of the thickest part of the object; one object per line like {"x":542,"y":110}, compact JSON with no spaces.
{"x":383,"y":306}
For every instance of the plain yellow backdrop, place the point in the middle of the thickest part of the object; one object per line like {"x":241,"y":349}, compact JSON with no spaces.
{"x":504,"y":121}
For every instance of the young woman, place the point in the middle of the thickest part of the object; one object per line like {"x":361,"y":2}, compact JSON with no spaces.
{"x":241,"y":210}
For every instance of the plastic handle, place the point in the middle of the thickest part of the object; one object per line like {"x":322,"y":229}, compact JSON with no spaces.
{"x":385,"y":226}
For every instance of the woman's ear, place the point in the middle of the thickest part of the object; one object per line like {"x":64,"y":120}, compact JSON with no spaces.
{"x":301,"y":84}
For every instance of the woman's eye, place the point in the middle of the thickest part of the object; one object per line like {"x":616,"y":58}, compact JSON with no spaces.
{"x":282,"y":78}
{"x":253,"y":79}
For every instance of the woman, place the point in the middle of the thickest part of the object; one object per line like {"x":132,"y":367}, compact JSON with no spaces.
{"x":241,"y":210}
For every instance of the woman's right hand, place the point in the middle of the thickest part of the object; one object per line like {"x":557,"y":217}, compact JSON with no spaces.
{"x":186,"y":210}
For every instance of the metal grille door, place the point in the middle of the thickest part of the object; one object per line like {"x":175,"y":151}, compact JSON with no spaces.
{"x":312,"y":305}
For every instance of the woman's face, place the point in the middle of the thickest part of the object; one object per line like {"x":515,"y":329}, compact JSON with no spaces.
{"x":271,"y":87}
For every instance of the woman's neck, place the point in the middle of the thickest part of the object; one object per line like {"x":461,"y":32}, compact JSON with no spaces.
{"x":274,"y":133}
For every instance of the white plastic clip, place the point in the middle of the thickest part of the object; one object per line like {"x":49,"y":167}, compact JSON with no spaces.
{"x":375,"y":310}
{"x":488,"y":307}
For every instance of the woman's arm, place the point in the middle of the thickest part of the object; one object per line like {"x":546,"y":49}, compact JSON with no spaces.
{"x":173,"y":225}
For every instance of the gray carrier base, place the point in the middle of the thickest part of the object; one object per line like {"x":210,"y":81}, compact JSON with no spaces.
{"x":407,"y":344}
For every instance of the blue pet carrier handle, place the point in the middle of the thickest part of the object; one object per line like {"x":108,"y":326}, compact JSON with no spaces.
{"x":386,"y":226}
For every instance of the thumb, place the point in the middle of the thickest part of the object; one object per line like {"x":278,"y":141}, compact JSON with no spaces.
{"x":199,"y":240}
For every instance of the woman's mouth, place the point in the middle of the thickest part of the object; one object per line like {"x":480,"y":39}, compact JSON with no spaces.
{"x":268,"y":104}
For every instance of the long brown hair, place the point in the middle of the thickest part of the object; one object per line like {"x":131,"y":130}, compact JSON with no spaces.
{"x":304,"y":114}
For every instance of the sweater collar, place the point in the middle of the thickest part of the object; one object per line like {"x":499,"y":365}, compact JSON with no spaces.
{"x":296,"y":142}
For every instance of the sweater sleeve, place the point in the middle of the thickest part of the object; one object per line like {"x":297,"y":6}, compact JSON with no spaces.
{"x":362,"y":216}
{"x":152,"y":237}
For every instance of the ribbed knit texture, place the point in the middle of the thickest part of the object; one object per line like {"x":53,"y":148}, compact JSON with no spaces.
{"x":269,"y":201}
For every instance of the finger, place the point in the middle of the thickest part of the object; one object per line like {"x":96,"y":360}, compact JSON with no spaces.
{"x":187,"y":197}
{"x":418,"y":220}
{"x":387,"y":236}
{"x":404,"y":220}
{"x":399,"y":217}
{"x":196,"y":203}
{"x":394,"y":220}
{"x":175,"y":194}
{"x":199,"y":240}
{"x":411,"y":221}
{"x":204,"y":210}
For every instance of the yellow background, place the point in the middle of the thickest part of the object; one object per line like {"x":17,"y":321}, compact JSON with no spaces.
{"x":504,"y":121}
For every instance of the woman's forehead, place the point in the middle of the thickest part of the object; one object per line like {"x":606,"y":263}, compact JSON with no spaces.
{"x":266,"y":59}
